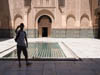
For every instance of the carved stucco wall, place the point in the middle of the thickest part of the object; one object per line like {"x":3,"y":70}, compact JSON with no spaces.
{"x":71,"y":14}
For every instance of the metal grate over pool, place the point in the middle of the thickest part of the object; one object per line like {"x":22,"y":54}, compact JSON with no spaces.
{"x":42,"y":50}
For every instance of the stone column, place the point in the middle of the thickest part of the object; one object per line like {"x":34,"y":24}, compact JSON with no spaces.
{"x":63,"y":20}
{"x":26,"y":17}
{"x":25,"y":20}
{"x":13,"y":28}
{"x":91,"y":23}
{"x":78,"y":13}
{"x":12,"y":23}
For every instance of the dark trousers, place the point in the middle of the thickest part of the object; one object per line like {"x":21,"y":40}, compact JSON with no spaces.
{"x":22,"y":49}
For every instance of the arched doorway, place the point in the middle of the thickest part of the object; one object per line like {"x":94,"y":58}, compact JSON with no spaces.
{"x":44,"y":26}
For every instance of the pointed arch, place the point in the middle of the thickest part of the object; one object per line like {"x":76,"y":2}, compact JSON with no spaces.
{"x":44,"y":12}
{"x":84,"y":21}
{"x":70,"y":21}
{"x":17,"y":17}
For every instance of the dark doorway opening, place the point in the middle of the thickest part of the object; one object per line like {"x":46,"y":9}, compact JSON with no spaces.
{"x":44,"y":26}
{"x":44,"y":32}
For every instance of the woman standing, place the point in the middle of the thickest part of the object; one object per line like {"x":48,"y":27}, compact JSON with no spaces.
{"x":22,"y":43}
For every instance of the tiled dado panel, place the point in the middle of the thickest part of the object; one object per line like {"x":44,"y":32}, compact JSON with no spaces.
{"x":66,"y":33}
{"x":72,"y":33}
{"x":55,"y":33}
{"x":32,"y":33}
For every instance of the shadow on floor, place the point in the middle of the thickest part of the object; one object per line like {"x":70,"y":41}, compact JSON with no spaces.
{"x":83,"y":67}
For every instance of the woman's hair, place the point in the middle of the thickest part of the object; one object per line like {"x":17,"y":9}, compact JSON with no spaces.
{"x":22,"y":24}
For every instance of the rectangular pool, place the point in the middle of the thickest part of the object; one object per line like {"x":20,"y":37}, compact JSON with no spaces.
{"x":41,"y":50}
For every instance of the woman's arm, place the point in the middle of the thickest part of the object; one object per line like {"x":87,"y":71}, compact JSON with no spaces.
{"x":16,"y":30}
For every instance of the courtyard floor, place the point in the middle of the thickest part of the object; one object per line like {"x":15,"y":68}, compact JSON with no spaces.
{"x":88,"y":50}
